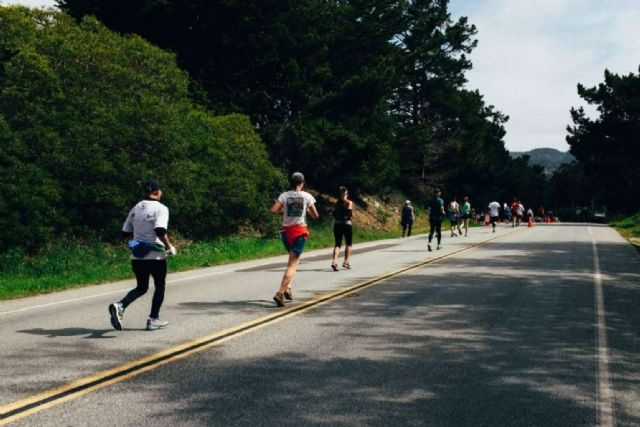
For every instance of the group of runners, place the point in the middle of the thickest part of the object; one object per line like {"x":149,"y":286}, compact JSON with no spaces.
{"x":145,"y":230}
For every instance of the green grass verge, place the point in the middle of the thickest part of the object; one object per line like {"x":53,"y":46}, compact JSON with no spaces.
{"x":629,"y":227}
{"x":67,"y":264}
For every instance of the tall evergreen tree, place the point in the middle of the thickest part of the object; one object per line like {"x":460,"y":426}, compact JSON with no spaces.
{"x":608,"y":147}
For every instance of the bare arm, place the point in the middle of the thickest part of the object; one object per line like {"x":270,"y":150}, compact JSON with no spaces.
{"x":276,"y":208}
{"x":313,"y":212}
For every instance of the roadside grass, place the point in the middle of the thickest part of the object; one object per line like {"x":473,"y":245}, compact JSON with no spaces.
{"x":67,"y":263}
{"x":629,"y":227}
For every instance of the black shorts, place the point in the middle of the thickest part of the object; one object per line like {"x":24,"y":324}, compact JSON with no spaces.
{"x":341,"y":230}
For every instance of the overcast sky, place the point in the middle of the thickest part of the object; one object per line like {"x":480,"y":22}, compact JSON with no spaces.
{"x":531,"y":54}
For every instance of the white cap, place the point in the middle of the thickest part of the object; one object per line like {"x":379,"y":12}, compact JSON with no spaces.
{"x":407,"y":202}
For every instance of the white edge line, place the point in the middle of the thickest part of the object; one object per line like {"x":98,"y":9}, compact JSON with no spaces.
{"x":605,"y":409}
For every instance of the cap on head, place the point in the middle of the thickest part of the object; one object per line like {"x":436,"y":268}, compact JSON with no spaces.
{"x":297,"y":178}
{"x":408,"y":202}
{"x":436,"y":191}
{"x":151,"y":186}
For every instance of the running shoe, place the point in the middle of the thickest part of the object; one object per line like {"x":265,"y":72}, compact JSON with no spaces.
{"x":429,"y":247}
{"x":154,"y":324}
{"x":438,"y":247}
{"x":346,"y":265}
{"x":279,"y":299}
{"x":335,"y":267}
{"x":116,"y":311}
{"x":288,"y":294}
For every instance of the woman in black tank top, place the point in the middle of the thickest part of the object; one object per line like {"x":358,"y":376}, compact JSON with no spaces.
{"x":343,"y":227}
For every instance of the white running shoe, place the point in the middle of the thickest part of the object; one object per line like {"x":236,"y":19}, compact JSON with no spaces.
{"x":116,"y":311}
{"x":154,"y":324}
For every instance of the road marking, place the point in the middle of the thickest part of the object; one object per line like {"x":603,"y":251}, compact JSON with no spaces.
{"x":107,"y":293}
{"x":50,"y":398}
{"x":605,"y":409}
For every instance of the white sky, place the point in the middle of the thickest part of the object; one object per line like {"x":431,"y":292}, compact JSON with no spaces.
{"x":531,"y":55}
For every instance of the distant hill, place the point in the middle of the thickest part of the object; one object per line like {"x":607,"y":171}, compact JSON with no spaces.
{"x":549,"y":158}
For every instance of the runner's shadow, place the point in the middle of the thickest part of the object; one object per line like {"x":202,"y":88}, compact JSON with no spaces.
{"x":69,"y":332}
{"x":201,"y":305}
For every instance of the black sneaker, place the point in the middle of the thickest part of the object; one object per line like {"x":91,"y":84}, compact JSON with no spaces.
{"x":288,"y":294}
{"x":116,"y":311}
{"x":279,"y":299}
{"x":335,"y":267}
{"x":429,"y":247}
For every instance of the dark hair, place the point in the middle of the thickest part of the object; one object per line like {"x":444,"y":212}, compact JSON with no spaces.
{"x":343,"y":189}
{"x":151,"y":186}
{"x":436,"y":190}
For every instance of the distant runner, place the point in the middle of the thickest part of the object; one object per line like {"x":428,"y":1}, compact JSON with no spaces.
{"x":293,"y":205}
{"x":494,"y":212}
{"x":146,"y":227}
{"x":343,"y":227}
{"x":436,"y":214}
{"x":465,"y":213}
{"x":407,"y":218}
{"x":454,"y":214}
{"x":515,"y":219}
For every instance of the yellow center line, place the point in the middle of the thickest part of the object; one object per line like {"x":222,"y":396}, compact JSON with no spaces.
{"x":47,"y":399}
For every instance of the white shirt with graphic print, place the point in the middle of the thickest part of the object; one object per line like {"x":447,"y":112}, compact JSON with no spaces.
{"x":294,"y":207}
{"x":142,"y":221}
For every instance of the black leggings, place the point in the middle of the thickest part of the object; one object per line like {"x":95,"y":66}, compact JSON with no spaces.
{"x":406,"y":226}
{"x":142,"y":269}
{"x":343,"y":230}
{"x":435,"y":226}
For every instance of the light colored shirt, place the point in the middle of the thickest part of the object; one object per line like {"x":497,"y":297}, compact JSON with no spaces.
{"x":142,"y":221}
{"x":453,"y":207}
{"x":294,"y":207}
{"x":494,"y":208}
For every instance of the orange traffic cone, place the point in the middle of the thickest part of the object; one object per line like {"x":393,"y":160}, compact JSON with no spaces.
{"x":529,"y":223}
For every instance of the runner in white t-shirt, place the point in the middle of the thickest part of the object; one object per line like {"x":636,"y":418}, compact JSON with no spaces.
{"x":494,"y":212}
{"x":146,"y":226}
{"x":454,"y":215}
{"x":293,"y":205}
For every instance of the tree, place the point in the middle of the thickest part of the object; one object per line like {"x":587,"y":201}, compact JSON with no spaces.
{"x":101,"y":112}
{"x":608,"y":147}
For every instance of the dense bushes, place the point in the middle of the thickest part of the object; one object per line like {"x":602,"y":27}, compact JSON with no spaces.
{"x":85,"y":114}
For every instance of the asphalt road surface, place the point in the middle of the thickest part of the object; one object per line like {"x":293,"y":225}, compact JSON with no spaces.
{"x":527,"y":326}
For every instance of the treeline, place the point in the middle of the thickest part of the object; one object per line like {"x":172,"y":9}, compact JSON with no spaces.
{"x":607,"y":149}
{"x":235,"y":95}
{"x":364,"y":93}
{"x":85,"y":114}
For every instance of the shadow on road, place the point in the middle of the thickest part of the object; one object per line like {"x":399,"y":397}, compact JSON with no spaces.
{"x":69,"y":332}
{"x":511,"y":344}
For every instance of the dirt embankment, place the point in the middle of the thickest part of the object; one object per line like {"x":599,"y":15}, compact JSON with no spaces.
{"x":370,"y":212}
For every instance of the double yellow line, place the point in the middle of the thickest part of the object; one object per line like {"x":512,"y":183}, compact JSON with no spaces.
{"x":47,"y":399}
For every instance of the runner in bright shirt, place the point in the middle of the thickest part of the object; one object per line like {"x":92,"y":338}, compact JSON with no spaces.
{"x":293,"y":205}
{"x":465,"y":212}
{"x":146,"y":229}
{"x":494,"y":212}
{"x":436,"y":214}
{"x":515,"y":204}
{"x":520,"y":212}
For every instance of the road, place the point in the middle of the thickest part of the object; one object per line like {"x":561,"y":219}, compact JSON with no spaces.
{"x":527,"y":326}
